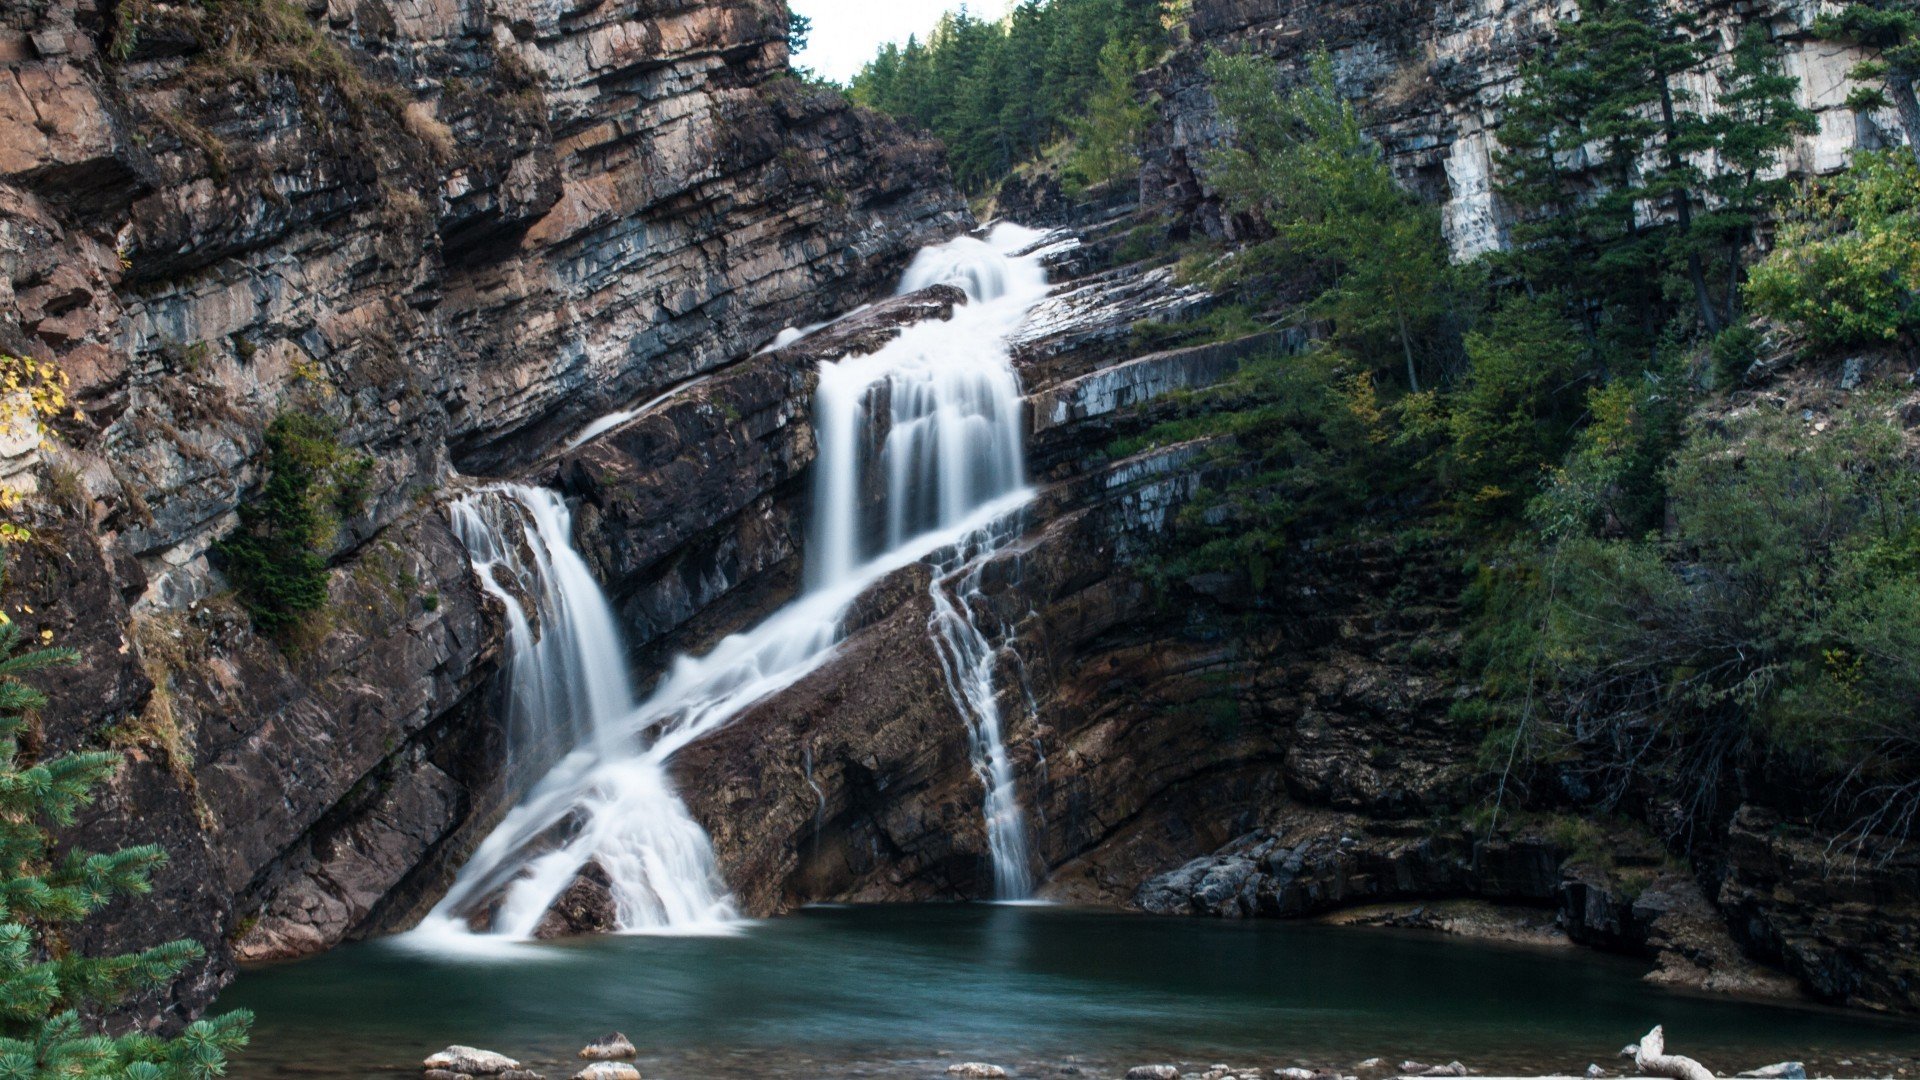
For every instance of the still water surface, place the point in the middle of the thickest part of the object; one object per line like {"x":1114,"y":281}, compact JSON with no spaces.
{"x":903,"y":991}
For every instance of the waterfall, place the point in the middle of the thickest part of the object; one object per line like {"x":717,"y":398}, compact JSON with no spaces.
{"x":566,"y":681}
{"x":967,"y":660}
{"x":920,"y":454}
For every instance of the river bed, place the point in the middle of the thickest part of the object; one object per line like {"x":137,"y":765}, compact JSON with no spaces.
{"x":899,"y":992}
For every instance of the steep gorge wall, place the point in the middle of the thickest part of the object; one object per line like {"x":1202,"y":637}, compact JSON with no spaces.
{"x":460,"y":230}
{"x":1430,"y":76}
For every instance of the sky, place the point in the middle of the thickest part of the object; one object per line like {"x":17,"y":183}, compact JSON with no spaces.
{"x":846,"y":33}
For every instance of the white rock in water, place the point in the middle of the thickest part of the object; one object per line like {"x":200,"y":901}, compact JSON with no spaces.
{"x":1153,"y":1072}
{"x":472,"y":1062}
{"x":1595,"y":1070}
{"x":608,"y":1070}
{"x":977,"y":1070}
{"x":612,"y":1047}
{"x":1294,"y":1074}
{"x":1372,"y":1063}
{"x":1785,"y":1070}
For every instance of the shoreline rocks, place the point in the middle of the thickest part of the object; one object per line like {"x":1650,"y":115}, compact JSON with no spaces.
{"x":611,"y":1047}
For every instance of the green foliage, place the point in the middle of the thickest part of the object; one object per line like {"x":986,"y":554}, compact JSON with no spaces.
{"x":1612,"y":95}
{"x":1891,"y":28}
{"x":1225,"y":323}
{"x":1780,"y":614}
{"x":45,"y":989}
{"x":1302,"y":161}
{"x":1299,"y":438}
{"x":276,"y":558}
{"x":1846,"y":264}
{"x":1733,"y":351}
{"x":1512,"y":417}
{"x":1106,"y":137}
{"x":997,"y":93}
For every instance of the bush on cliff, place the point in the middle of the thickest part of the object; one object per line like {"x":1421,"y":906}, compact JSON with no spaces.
{"x":276,"y":558}
{"x":50,"y":995}
{"x":1845,"y":269}
{"x":1777,"y":618}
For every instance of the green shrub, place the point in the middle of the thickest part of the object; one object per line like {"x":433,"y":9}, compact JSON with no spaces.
{"x":276,"y":558}
{"x":1779,"y":616}
{"x":1846,"y":265}
{"x":1732,"y":352}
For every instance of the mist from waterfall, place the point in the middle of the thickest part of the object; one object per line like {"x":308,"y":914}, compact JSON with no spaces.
{"x":920,"y":454}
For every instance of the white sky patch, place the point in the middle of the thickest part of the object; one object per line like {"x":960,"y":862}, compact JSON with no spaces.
{"x":846,"y":33}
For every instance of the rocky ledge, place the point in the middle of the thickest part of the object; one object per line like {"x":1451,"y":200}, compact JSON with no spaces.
{"x":456,"y":233}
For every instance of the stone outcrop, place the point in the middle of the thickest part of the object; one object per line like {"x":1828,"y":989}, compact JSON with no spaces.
{"x":1431,"y":75}
{"x":459,"y":232}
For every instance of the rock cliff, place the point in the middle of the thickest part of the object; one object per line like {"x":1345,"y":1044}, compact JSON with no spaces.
{"x":1432,"y":75}
{"x":459,"y":232}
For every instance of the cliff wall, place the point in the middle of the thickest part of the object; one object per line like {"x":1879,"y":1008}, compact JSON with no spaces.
{"x":456,"y":230}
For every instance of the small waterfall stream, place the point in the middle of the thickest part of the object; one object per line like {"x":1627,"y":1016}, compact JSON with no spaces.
{"x":950,"y":475}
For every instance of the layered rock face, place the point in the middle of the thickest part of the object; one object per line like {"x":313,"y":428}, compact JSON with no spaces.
{"x":1430,"y":76}
{"x":459,"y":232}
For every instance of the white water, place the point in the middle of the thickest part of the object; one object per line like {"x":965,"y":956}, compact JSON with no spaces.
{"x":947,"y":471}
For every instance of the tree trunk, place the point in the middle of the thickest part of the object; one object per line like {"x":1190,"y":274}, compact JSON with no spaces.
{"x":1406,"y":345}
{"x":1652,"y":1058}
{"x":1683,"y":213}
{"x":1900,"y":89}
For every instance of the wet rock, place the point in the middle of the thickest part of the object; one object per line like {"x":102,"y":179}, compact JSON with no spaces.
{"x":470,"y":1061}
{"x":608,"y":1070}
{"x":1294,"y":1073}
{"x":585,"y":907}
{"x":614,"y":1047}
{"x":976,"y":1070}
{"x":1785,"y":1070}
{"x":1153,"y":1072}
{"x":1415,"y":1068}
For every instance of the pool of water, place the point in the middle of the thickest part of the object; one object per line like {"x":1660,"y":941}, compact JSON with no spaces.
{"x":904,"y":991}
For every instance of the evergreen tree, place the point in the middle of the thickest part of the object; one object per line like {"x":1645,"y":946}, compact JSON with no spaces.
{"x":1303,"y":162}
{"x":46,"y":990}
{"x":1606,"y":96}
{"x":1105,"y":139}
{"x":1758,"y":116}
{"x":1893,"y":28}
{"x":998,"y":93}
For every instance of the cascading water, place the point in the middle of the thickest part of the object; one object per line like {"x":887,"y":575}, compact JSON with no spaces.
{"x":566,"y":682}
{"x":930,"y":425}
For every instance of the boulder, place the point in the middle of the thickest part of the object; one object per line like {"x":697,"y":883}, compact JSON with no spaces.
{"x":614,"y":1047}
{"x":608,"y":1070}
{"x":586,"y":907}
{"x":468,"y":1061}
{"x":1294,"y":1073}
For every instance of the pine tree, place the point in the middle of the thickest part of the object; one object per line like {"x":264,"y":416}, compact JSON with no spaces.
{"x":1605,"y":97}
{"x":1758,"y":116}
{"x":1893,"y":28}
{"x":1106,"y":138}
{"x":1304,"y":163}
{"x":46,"y":991}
